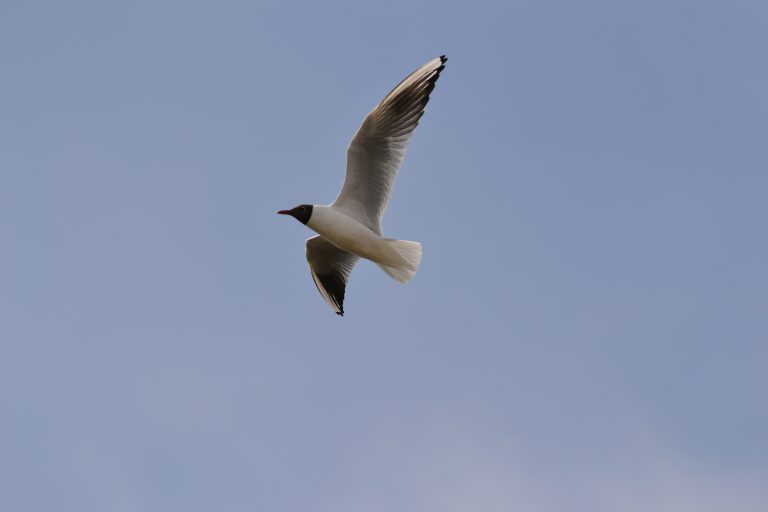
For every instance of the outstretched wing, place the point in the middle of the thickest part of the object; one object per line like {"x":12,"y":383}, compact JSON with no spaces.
{"x":330,"y":267}
{"x":377,"y":149}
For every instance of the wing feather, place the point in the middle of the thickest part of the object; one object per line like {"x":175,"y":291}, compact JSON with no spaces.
{"x":377,"y":149}
{"x":330,"y":268}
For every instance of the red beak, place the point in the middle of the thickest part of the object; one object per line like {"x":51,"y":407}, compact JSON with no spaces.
{"x":284,"y":212}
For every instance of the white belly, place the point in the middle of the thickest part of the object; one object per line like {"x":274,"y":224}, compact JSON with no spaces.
{"x":349,"y":234}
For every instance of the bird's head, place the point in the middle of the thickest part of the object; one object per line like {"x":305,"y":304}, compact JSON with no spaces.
{"x":301,"y":213}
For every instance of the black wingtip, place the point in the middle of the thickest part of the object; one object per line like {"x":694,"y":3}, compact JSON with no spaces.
{"x":443,"y":60}
{"x":340,"y":313}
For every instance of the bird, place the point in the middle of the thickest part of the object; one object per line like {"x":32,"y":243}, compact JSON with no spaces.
{"x":350,"y":228}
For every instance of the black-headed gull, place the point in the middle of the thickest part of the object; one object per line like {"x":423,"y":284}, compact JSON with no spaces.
{"x":349,"y":228}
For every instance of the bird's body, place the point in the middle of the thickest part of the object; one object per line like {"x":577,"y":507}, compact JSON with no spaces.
{"x":349,"y":228}
{"x":351,"y":235}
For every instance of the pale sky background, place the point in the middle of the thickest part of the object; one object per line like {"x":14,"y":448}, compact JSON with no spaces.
{"x":588,"y":329}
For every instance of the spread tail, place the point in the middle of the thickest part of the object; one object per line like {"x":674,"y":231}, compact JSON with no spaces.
{"x":409,"y":256}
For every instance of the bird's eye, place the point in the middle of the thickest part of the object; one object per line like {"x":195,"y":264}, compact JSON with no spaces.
{"x":302,"y":209}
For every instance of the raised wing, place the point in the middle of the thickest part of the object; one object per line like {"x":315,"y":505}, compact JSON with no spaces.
{"x":377,"y":149}
{"x":330,"y":267}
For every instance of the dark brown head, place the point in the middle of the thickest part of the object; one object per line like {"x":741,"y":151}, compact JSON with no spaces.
{"x":301,"y":213}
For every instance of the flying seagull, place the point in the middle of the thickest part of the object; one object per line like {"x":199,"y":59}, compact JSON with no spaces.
{"x":349,"y":229}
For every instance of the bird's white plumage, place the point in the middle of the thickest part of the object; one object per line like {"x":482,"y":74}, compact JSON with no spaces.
{"x":350,"y":228}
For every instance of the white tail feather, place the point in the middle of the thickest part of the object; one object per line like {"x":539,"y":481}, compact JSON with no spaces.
{"x":409,"y":254}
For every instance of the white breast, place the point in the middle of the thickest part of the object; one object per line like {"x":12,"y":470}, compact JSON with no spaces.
{"x":345,"y":232}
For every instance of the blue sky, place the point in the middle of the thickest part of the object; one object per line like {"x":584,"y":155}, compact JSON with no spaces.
{"x":587,"y":331}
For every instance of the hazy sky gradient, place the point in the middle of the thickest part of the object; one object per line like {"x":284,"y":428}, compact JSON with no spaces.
{"x":588,"y":329}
